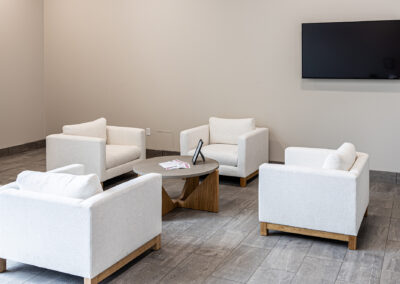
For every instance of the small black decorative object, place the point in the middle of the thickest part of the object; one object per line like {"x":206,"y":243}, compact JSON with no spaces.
{"x":197,"y":152}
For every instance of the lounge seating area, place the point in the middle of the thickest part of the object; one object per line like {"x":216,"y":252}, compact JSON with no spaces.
{"x":217,"y":142}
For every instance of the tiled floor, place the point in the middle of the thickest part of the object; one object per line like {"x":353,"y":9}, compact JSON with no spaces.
{"x":200,"y":247}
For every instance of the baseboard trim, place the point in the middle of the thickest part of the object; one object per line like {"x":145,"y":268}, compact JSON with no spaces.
{"x":150,"y":153}
{"x":22,"y":148}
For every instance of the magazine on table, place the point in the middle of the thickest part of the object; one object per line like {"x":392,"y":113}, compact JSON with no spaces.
{"x":175,"y":164}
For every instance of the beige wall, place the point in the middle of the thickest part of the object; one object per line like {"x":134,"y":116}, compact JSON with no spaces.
{"x":170,"y":64}
{"x":22,"y":117}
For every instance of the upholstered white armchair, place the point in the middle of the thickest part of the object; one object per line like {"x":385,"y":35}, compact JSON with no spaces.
{"x":318,"y":192}
{"x":91,"y":238}
{"x":107,"y":151}
{"x":237,"y":144}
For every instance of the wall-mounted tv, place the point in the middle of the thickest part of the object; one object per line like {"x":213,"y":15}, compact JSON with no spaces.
{"x":351,"y":50}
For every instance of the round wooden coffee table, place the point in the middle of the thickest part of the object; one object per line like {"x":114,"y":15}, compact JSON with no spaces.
{"x":195,"y":195}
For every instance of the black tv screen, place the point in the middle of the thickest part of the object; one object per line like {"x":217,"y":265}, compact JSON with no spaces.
{"x":351,"y":50}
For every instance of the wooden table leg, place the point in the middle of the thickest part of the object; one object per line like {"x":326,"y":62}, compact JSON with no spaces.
{"x":205,"y":196}
{"x":167,"y":203}
{"x":190,"y":185}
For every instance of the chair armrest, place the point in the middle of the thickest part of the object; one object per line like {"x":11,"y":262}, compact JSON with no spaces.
{"x":63,"y":150}
{"x":12,"y":185}
{"x":117,"y":135}
{"x":306,"y":157}
{"x":361,"y":170}
{"x":75,"y":169}
{"x":309,"y":198}
{"x":253,"y":148}
{"x":44,"y":230}
{"x":190,"y":138}
{"x":361,"y":164}
{"x":124,"y":218}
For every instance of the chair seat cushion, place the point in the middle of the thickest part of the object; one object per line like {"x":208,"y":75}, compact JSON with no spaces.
{"x":117,"y":155}
{"x":227,"y":131}
{"x":66,"y":185}
{"x":225,"y":154}
{"x":96,"y":128}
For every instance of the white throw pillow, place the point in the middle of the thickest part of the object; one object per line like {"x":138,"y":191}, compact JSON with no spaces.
{"x":342,"y":159}
{"x":60,"y":184}
{"x":96,"y":128}
{"x":348,"y":155}
{"x":333,"y":162}
{"x":227,"y":131}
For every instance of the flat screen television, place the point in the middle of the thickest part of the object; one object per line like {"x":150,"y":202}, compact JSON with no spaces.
{"x":351,"y":50}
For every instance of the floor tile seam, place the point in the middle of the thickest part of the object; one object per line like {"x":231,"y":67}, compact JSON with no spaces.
{"x":259,"y":266}
{"x":384,"y":251}
{"x":270,"y":250}
{"x":224,"y":278}
{"x":302,"y":261}
{"x":30,"y":277}
{"x":193,"y":224}
{"x":231,"y":253}
{"x":327,"y":258}
{"x":175,"y":267}
{"x":340,"y":268}
{"x":238,"y":282}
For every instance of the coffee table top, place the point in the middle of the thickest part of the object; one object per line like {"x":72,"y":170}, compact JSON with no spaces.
{"x":152,"y":166}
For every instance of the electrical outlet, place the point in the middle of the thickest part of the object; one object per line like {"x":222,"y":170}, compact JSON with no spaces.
{"x":148,"y":131}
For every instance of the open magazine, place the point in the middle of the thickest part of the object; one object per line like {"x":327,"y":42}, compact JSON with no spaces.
{"x":174,"y":164}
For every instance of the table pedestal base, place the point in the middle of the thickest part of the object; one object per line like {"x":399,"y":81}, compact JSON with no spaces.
{"x":195,"y":195}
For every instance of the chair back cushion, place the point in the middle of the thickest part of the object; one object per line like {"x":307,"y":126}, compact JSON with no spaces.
{"x":342,"y":159}
{"x":96,"y":128}
{"x":66,"y":185}
{"x":227,"y":131}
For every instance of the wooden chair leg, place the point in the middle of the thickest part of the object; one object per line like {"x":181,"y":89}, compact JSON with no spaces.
{"x":90,"y":281}
{"x":154,"y":243}
{"x":263,"y":229}
{"x":352,"y":242}
{"x":243,"y":182}
{"x":157,"y":246}
{"x":3,"y":265}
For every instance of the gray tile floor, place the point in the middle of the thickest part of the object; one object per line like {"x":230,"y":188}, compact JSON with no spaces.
{"x":200,"y":247}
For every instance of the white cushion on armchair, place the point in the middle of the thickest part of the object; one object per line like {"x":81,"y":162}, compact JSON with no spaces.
{"x":341,"y":159}
{"x":227,"y":131}
{"x":224,"y":153}
{"x":120,"y":154}
{"x":96,"y":128}
{"x":61,"y":184}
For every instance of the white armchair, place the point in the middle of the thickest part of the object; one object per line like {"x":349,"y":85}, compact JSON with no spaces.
{"x":91,"y":238}
{"x":307,"y":196}
{"x":107,"y":151}
{"x":236,"y":144}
